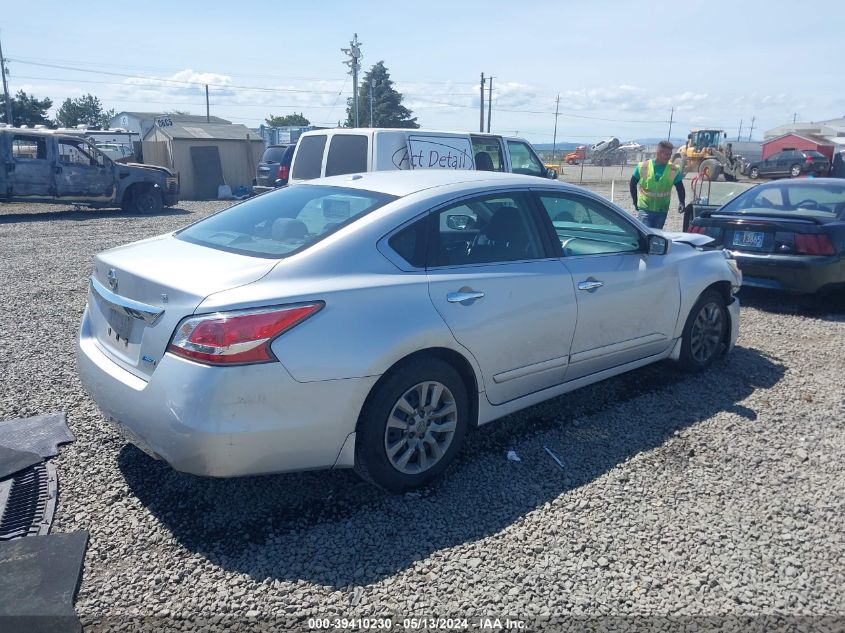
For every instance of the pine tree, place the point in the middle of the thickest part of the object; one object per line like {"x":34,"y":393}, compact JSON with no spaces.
{"x":388,"y":110}
{"x":26,"y":109}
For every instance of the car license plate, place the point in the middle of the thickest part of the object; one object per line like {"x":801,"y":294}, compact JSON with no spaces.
{"x":120,"y":325}
{"x":748,"y":238}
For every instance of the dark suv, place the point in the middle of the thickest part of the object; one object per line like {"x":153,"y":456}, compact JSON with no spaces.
{"x":274,"y":168}
{"x":791,"y":162}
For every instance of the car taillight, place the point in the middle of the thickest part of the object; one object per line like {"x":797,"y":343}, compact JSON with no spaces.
{"x":809,"y":159}
{"x":236,"y":338}
{"x":813,"y":244}
{"x":696,"y":229}
{"x":283,"y":172}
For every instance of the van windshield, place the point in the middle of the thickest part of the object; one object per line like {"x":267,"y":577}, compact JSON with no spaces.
{"x":284,"y":221}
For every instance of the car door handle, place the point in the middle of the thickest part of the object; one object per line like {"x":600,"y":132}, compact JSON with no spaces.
{"x":590,"y":285}
{"x":464,"y":296}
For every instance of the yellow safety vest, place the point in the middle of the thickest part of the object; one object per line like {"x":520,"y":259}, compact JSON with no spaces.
{"x":655,"y":194}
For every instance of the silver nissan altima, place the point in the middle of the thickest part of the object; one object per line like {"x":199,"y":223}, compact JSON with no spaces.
{"x":370,"y":321}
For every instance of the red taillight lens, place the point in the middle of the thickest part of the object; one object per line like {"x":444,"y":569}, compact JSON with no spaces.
{"x":696,"y":229}
{"x":236,"y":338}
{"x":283,"y":172}
{"x":809,"y":159}
{"x":813,"y":244}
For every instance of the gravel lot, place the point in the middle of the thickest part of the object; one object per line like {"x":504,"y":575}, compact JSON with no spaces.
{"x":681,"y":497}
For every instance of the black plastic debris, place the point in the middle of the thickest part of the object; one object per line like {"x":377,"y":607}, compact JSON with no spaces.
{"x":28,"y":502}
{"x":39,"y":578}
{"x":13,"y":461}
{"x":39,"y":434}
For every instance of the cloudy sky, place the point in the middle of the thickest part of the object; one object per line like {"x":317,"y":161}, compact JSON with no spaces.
{"x":618,"y":66}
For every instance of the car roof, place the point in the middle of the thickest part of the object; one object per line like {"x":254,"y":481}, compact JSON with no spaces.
{"x":802,"y":182}
{"x":404,"y":182}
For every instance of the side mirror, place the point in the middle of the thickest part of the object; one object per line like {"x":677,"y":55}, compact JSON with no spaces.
{"x":551,"y":174}
{"x":657,"y":245}
{"x":458,"y":222}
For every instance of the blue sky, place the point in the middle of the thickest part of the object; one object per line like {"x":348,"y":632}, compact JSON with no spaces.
{"x":619,"y":67}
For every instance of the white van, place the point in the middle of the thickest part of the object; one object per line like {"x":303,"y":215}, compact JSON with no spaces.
{"x":356,"y":150}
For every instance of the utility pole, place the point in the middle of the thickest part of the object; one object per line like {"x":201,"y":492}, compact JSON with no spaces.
{"x":738,"y":134}
{"x":489,"y":103}
{"x":3,"y":71}
{"x":354,"y":62}
{"x":481,"y":124}
{"x":554,"y":138}
{"x":372,"y":88}
{"x":794,"y":116}
{"x":752,"y":128}
{"x":207,"y":111}
{"x":671,"y":118}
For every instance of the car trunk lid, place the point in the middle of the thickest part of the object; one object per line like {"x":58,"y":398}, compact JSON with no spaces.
{"x":756,"y":233}
{"x":140,"y":292}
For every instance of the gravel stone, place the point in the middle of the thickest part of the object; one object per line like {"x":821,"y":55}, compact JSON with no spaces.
{"x":683,"y":495}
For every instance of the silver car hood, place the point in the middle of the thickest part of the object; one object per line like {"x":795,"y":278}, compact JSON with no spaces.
{"x":693,"y":239}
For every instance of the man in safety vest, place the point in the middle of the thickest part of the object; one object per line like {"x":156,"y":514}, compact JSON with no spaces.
{"x":651,"y":187}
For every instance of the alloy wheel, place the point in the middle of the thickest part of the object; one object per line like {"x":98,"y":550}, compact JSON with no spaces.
{"x":706,"y":334}
{"x":420,"y":427}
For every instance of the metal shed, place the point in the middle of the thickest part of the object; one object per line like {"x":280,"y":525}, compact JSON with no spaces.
{"x":205,"y":155}
{"x":798,"y":141}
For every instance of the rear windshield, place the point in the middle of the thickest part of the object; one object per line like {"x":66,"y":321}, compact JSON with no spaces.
{"x":814,"y":154}
{"x":284,"y":221}
{"x":800,"y":197}
{"x":275,"y":154}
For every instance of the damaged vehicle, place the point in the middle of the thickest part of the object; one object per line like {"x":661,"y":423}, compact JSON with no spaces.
{"x":39,"y":165}
{"x":370,"y":321}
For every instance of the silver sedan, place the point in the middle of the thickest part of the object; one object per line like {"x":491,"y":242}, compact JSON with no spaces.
{"x":370,"y":321}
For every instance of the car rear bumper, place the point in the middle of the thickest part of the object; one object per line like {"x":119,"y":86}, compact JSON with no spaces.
{"x":793,"y":273}
{"x":223,"y":421}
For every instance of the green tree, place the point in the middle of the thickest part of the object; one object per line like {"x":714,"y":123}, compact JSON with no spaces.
{"x":289,"y":119}
{"x":388,"y":110}
{"x":27,"y":110}
{"x":87,"y":109}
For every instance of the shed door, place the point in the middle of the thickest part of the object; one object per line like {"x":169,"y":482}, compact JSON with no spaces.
{"x":208,"y":172}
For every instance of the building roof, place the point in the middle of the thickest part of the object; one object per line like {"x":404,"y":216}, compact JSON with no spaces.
{"x":835,"y":123}
{"x":818,"y":140}
{"x":182,"y":118}
{"x":216,"y":131}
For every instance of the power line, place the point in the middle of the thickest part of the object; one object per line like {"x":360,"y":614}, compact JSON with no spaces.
{"x":177,"y":81}
{"x":174,"y":69}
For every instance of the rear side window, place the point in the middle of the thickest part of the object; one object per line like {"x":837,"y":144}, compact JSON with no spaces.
{"x":411,"y":243}
{"x":309,"y":157}
{"x":32,"y":147}
{"x":285,"y":221}
{"x":347,"y":155}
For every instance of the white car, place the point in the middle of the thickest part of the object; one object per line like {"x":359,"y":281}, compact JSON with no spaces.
{"x":369,"y":321}
{"x":115,"y":151}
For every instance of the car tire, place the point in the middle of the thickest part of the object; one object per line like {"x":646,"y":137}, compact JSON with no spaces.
{"x":754,"y":173}
{"x":795,"y":171}
{"x":397,"y":451}
{"x":703,"y":338}
{"x":147,"y":201}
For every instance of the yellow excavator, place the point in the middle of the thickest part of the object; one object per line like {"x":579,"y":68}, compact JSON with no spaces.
{"x":708,"y":152}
